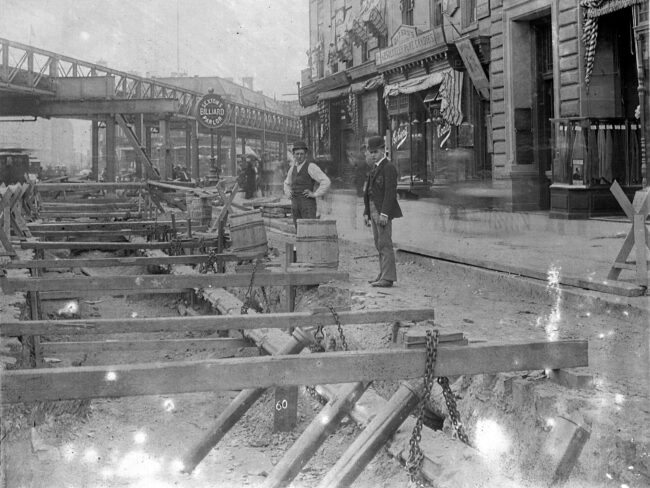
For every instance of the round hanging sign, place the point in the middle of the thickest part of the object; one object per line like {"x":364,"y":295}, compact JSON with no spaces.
{"x":211,"y":111}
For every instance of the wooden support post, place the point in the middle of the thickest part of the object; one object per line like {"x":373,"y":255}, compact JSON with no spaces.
{"x":231,"y":415}
{"x":374,"y":436}
{"x":562,"y":449}
{"x":290,"y":290}
{"x":285,"y":413}
{"x":325,"y":423}
{"x":195,"y":173}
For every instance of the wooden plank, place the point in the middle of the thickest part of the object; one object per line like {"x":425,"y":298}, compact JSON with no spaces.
{"x":164,"y":345}
{"x":88,"y":207}
{"x":127,"y":261}
{"x":199,"y":192}
{"x":131,"y":224}
{"x":641,"y":245}
{"x":262,"y":372}
{"x":88,"y":234}
{"x":126,"y":185}
{"x":208,"y":323}
{"x":153,"y":282}
{"x":69,"y":295}
{"x":113,"y":246}
{"x":89,"y":215}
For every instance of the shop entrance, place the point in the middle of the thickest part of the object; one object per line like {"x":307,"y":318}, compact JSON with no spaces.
{"x":543,"y":109}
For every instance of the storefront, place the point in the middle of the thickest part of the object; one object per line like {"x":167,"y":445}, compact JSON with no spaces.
{"x":605,"y":143}
{"x":437,"y":119}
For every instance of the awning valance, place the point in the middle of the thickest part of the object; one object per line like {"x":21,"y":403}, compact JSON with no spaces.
{"x":311,"y":109}
{"x":367,"y":85}
{"x":414,"y":84}
{"x":328,"y":95}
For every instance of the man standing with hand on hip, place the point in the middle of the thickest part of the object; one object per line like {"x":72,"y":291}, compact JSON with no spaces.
{"x":304,"y":183}
{"x":380,"y":208}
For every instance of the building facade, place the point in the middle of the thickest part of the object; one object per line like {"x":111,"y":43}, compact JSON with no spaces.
{"x":506,"y":98}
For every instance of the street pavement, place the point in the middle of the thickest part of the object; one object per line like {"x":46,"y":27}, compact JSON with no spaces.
{"x":579,"y":252}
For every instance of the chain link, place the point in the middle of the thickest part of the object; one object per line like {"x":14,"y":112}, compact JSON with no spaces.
{"x":450,"y":401}
{"x":315,"y":347}
{"x":344,"y":343}
{"x":247,"y":298}
{"x":176,"y":248}
{"x":210,"y":262}
{"x":416,"y":456}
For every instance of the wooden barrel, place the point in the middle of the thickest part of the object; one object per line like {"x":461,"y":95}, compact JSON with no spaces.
{"x":199,"y":209}
{"x":317,"y":243}
{"x":247,"y":233}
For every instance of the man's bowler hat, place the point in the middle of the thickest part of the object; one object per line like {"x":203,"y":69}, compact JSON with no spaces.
{"x":375,"y":142}
{"x":299,"y":145}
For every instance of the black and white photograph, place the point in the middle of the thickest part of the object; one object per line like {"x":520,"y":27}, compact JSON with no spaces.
{"x":324,"y":244}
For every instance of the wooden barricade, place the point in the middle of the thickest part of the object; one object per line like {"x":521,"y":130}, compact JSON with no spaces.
{"x":638,"y":237}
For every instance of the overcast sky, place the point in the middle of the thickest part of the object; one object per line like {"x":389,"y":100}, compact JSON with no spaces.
{"x":265,"y":39}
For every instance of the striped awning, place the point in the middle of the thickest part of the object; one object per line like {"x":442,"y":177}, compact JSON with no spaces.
{"x":414,"y":84}
{"x":593,"y":10}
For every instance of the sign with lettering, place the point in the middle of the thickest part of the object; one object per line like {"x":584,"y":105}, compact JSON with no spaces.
{"x":211,"y":111}
{"x":474,"y":67}
{"x":403,"y":33}
{"x":415,"y":45}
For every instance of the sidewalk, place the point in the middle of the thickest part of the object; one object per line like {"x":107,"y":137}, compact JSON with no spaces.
{"x":529,"y":244}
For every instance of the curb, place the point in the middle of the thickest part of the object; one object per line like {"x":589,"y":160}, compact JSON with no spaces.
{"x":603,"y":286}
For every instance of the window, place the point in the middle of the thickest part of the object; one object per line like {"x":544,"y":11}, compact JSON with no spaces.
{"x":435,"y":13}
{"x":364,"y":52}
{"x":406,"y":6}
{"x":468,"y":13}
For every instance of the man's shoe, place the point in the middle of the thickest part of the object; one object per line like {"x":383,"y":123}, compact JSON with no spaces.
{"x":375,"y":280}
{"x":382,"y":284}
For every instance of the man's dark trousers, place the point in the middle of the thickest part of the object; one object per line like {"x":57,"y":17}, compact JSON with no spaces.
{"x":302,"y":207}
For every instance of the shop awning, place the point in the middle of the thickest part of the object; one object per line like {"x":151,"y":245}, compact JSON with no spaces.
{"x":311,"y":109}
{"x":367,"y":85}
{"x":414,"y":84}
{"x":328,"y":95}
{"x":432,"y":95}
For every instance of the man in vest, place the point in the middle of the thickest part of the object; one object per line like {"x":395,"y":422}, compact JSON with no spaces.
{"x":380,"y":208}
{"x":304,"y":183}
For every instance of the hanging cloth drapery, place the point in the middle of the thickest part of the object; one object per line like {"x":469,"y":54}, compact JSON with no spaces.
{"x":592,"y":10}
{"x":451,"y":91}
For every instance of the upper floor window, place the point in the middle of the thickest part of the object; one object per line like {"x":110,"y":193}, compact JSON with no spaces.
{"x":435,"y":13}
{"x":468,"y":14}
{"x":406,"y":6}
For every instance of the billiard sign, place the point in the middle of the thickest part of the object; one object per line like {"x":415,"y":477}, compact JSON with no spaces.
{"x":211,"y":111}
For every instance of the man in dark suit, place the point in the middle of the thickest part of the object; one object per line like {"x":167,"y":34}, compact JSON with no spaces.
{"x":380,"y":208}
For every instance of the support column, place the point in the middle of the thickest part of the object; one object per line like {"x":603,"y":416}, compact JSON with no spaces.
{"x":166,"y":159}
{"x":188,"y":146}
{"x":219,"y":161}
{"x":94,"y":149}
{"x":195,"y":151}
{"x":111,"y":160}
{"x":139,"y":134}
{"x":233,"y":151}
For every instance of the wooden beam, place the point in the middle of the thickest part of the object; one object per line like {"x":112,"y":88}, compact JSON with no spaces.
{"x":223,"y":344}
{"x":113,"y":245}
{"x":131,"y":224}
{"x":90,"y":186}
{"x":263,"y":372}
{"x":128,"y":261}
{"x":208,"y":323}
{"x":90,"y":215}
{"x":152,"y":282}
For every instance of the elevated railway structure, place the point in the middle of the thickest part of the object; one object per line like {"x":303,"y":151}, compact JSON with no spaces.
{"x":39,"y":83}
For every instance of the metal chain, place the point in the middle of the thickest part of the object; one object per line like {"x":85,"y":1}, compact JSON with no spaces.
{"x":344,"y":343}
{"x":315,"y":347}
{"x":450,"y":401}
{"x":416,"y":457}
{"x":176,"y":248}
{"x":210,"y":261}
{"x":247,"y":298}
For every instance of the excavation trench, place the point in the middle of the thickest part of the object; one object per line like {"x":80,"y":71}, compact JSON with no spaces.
{"x":520,"y":415}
